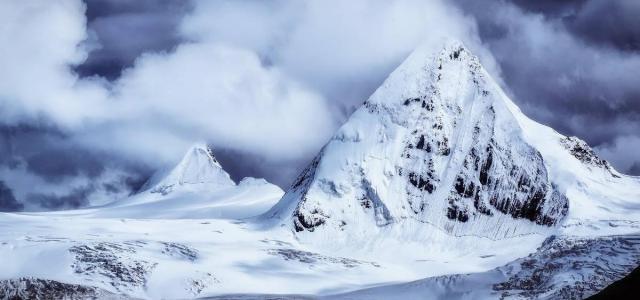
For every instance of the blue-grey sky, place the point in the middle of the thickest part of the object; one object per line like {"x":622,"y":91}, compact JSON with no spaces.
{"x":97,"y":94}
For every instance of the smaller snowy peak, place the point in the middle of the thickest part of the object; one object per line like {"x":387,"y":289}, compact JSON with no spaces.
{"x":252,"y":181}
{"x":198,"y":167}
{"x":196,"y":187}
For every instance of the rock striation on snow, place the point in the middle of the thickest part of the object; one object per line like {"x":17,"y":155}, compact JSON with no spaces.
{"x":35,"y":288}
{"x":437,"y":143}
{"x":581,"y":151}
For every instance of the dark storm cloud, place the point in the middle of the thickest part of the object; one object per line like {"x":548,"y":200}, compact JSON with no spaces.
{"x":122,"y":30}
{"x":80,"y":196}
{"x":240,"y":164}
{"x":570,"y":64}
{"x":615,"y":23}
{"x":612,"y":23}
{"x":76,"y":198}
{"x":21,"y":141}
{"x":55,"y":164}
{"x":7,"y":201}
{"x":106,"y":8}
{"x":44,"y":154}
{"x":555,"y":8}
{"x":635,"y":169}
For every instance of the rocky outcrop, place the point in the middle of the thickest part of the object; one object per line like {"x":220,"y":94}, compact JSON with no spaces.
{"x":35,"y":288}
{"x":582,"y":152}
{"x":112,"y":263}
{"x":566,"y":268}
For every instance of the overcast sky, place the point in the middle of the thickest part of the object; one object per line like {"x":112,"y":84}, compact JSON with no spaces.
{"x":96,"y":95}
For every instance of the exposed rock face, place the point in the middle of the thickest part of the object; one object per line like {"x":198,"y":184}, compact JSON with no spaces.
{"x":567,"y":268}
{"x":180,"y":251}
{"x":111,"y":270}
{"x":35,"y":288}
{"x":112,"y":263}
{"x":437,"y":144}
{"x":621,"y":288}
{"x":314,"y":259}
{"x":581,"y":150}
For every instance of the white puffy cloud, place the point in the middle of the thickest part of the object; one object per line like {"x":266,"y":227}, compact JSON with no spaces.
{"x":201,"y":90}
{"x":342,"y":49}
{"x":166,"y":101}
{"x":40,"y":40}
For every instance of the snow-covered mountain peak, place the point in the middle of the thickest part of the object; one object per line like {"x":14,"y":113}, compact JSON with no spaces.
{"x":437,"y":144}
{"x":424,"y":71}
{"x":198,"y":166}
{"x":196,"y":187}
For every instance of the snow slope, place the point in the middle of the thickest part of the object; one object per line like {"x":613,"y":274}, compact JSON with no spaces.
{"x":562,"y":268}
{"x":185,"y":258}
{"x":438,"y":186}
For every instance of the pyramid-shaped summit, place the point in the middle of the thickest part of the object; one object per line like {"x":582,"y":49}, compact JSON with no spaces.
{"x":198,"y":168}
{"x":438,"y":143}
